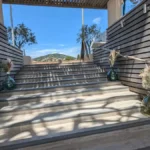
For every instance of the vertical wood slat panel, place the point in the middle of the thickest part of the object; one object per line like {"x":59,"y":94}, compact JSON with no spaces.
{"x":133,"y":44}
{"x":8,"y":51}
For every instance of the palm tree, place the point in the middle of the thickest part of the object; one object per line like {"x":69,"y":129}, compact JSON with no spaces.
{"x":83,"y":43}
{"x":87,"y":34}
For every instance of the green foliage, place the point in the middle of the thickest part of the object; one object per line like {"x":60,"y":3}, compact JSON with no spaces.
{"x":23,"y":36}
{"x":87,"y":34}
{"x":69,"y":58}
{"x":49,"y":57}
{"x":78,"y":57}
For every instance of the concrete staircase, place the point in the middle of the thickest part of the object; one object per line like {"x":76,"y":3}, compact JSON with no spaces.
{"x":56,"y":104}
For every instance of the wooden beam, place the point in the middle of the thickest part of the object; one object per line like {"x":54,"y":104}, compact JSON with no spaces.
{"x":95,"y":4}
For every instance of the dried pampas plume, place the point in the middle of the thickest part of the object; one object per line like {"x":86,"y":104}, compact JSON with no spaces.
{"x":112,"y":57}
{"x":145,"y":74}
{"x":7,"y":65}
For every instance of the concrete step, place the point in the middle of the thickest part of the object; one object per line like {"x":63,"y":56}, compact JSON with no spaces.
{"x":57,"y":115}
{"x":51,"y":74}
{"x":61,"y":67}
{"x":32,"y":78}
{"x":22,"y":106}
{"x":57,"y":65}
{"x":81,"y":89}
{"x":63,"y":97}
{"x":44,"y":84}
{"x":61,"y":71}
{"x":85,"y":123}
{"x":126,"y":134}
{"x":55,"y":102}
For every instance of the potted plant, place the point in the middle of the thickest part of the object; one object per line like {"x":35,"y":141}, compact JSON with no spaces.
{"x":112,"y":74}
{"x":145,"y":74}
{"x":9,"y":82}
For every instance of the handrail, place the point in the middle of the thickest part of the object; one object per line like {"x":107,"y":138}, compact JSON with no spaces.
{"x":127,"y":57}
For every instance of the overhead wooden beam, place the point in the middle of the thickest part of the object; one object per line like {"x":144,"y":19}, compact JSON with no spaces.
{"x":94,"y":4}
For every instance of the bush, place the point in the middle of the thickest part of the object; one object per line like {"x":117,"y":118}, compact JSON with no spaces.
{"x":78,"y":57}
{"x":69,"y":58}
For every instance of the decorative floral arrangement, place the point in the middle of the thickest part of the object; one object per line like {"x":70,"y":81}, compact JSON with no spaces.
{"x":9,"y":83}
{"x":145,"y":74}
{"x":7,"y":65}
{"x":112,"y":57}
{"x":112,"y":75}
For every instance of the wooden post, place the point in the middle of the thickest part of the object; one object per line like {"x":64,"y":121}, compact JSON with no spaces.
{"x":114,"y":11}
{"x":12,"y":26}
{"x":82,"y":17}
{"x":1,"y":13}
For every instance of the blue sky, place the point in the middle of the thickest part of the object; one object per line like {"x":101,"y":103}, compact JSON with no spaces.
{"x":55,"y":28}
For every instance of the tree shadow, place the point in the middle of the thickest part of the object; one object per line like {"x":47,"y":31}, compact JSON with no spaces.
{"x":52,"y":121}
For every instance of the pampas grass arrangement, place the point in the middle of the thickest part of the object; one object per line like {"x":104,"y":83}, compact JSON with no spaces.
{"x":112,"y":74}
{"x":9,"y":82}
{"x":112,"y":57}
{"x":7,"y":65}
{"x":145,"y":74}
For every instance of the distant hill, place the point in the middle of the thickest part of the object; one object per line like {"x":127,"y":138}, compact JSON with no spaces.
{"x":52,"y":57}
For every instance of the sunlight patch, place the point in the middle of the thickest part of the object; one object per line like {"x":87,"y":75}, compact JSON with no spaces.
{"x":20,"y":136}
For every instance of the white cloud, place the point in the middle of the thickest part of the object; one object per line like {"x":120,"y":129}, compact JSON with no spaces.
{"x":45,"y":44}
{"x":72,"y":51}
{"x":62,"y":45}
{"x":97,"y":20}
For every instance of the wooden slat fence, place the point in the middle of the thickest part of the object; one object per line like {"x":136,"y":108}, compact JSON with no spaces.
{"x":8,"y":51}
{"x":133,"y":38}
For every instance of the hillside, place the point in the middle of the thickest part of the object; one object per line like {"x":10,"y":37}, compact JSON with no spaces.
{"x":52,"y":57}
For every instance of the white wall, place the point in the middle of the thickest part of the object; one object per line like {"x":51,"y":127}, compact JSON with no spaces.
{"x":27,"y":60}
